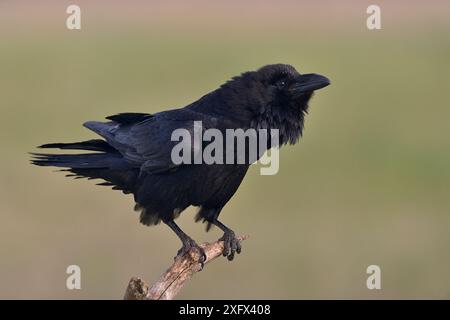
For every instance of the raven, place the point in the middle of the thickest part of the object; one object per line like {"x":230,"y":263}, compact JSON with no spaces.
{"x":135,"y":153}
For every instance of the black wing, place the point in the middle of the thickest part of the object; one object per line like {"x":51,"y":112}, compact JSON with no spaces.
{"x":145,"y":140}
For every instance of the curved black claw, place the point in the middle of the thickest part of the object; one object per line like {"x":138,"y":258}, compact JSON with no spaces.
{"x":231,"y":245}
{"x":189,"y":245}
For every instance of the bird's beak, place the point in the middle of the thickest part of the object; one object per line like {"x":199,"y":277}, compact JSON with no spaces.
{"x":309,"y":82}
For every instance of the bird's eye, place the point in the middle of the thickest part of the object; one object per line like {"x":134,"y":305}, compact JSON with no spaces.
{"x":281,"y":83}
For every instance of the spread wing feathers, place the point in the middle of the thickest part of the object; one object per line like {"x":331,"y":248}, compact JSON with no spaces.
{"x":145,"y":140}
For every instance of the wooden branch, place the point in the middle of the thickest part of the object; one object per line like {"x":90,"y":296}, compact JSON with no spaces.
{"x":171,"y":281}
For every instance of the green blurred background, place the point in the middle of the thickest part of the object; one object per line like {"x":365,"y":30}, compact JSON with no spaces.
{"x":368,"y":183}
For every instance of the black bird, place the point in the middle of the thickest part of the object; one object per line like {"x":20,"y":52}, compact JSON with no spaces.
{"x":135,"y":153}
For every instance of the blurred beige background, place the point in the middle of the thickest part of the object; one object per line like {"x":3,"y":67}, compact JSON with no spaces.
{"x":368,"y":183}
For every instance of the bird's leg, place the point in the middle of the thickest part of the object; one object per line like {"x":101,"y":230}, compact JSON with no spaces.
{"x":188,"y":242}
{"x":231,"y":243}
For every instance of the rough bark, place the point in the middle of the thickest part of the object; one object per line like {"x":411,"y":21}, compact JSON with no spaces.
{"x":172,"y":281}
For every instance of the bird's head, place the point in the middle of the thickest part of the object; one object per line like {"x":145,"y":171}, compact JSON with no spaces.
{"x":285,"y":88}
{"x":275,"y":96}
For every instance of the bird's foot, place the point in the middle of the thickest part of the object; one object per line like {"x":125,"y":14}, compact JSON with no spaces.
{"x":191,"y":248}
{"x":231,"y":245}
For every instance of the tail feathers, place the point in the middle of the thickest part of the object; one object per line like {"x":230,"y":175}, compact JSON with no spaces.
{"x":92,"y":145}
{"x":107,"y":164}
{"x":124,"y":180}
{"x":90,"y":160}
